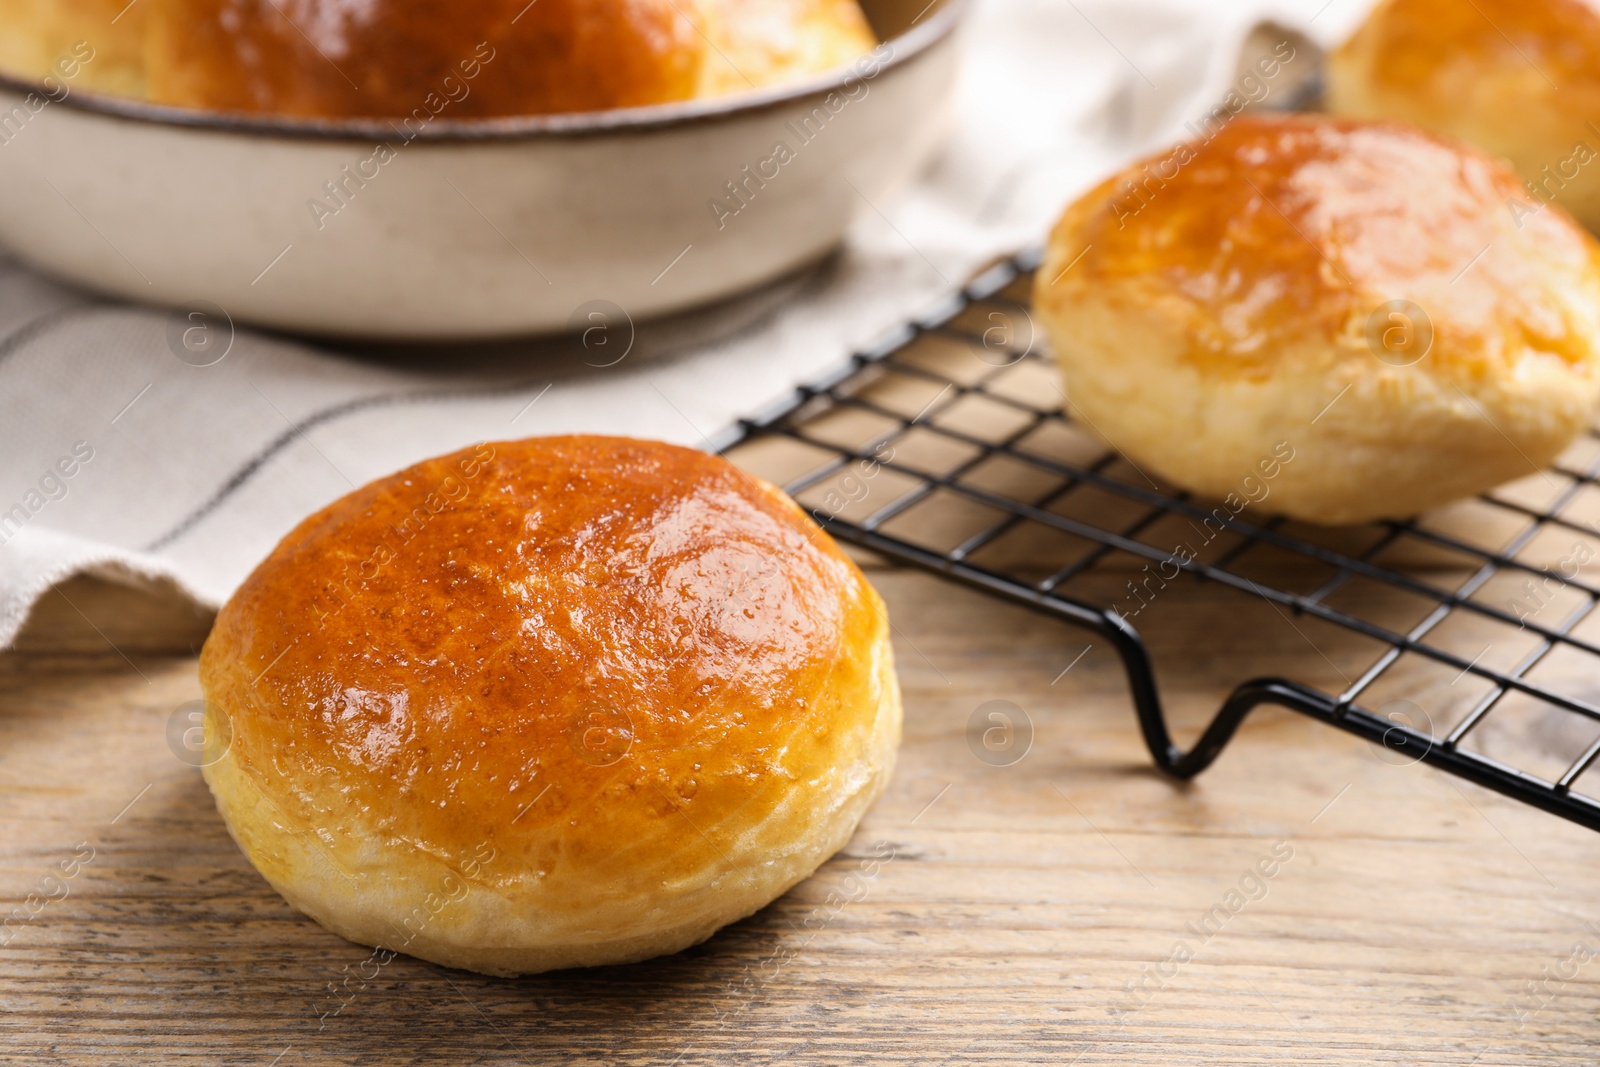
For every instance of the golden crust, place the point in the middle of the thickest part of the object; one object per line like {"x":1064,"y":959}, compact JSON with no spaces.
{"x":461,"y":58}
{"x":556,"y":702}
{"x":1229,"y":290}
{"x":1520,"y":78}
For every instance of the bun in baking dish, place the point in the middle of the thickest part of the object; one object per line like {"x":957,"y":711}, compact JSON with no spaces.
{"x":1520,"y":78}
{"x":457,"y":58}
{"x":1341,"y":312}
{"x":549,"y":703}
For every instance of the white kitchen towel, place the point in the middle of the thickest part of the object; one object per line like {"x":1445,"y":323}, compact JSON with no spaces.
{"x":119,"y":459}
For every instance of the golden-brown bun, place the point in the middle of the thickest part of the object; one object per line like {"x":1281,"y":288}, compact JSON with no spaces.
{"x":549,"y":703}
{"x":1225,"y":305}
{"x":1520,"y":78}
{"x":456,"y":58}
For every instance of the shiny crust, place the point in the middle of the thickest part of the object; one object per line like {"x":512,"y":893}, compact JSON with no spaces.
{"x":458,"y":58}
{"x":1520,"y":78}
{"x":1209,"y":305}
{"x":548,"y":703}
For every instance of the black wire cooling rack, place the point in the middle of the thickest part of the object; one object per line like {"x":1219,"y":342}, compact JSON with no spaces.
{"x":946,"y":447}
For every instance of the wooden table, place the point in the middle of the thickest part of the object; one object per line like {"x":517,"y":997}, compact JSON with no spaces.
{"x":1030,"y":913}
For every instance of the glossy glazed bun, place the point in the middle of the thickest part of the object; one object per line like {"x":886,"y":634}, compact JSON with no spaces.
{"x":1520,"y":78}
{"x":453,"y":58}
{"x":549,"y":703}
{"x":1346,"y":310}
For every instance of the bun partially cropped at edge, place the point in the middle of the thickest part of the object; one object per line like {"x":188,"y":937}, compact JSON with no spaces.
{"x":451,"y":58}
{"x":1519,"y":78}
{"x":1344,"y":313}
{"x":549,"y":703}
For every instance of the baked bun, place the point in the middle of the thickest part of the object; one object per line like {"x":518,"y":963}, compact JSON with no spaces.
{"x":1520,"y":78}
{"x":549,"y":703}
{"x":456,"y":58}
{"x":1335,"y":320}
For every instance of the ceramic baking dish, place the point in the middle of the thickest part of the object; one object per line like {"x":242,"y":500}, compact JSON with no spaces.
{"x":469,"y":229}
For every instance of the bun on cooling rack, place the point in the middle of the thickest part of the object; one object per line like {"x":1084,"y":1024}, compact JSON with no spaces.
{"x":549,"y":703}
{"x":1334,"y":320}
{"x":453,"y":58}
{"x":1520,"y":78}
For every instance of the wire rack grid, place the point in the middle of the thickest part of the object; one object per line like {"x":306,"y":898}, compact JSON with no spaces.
{"x":946,"y":447}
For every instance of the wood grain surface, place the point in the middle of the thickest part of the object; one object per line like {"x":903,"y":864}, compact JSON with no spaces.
{"x":1307,"y":901}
